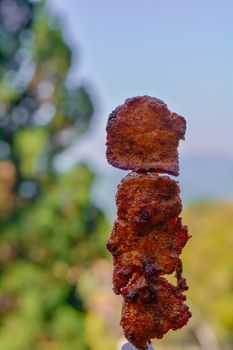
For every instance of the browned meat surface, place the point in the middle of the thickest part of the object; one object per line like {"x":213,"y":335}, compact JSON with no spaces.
{"x":150,"y":309}
{"x":142,"y":134}
{"x":154,"y":252}
{"x":147,"y":199}
{"x":148,"y":236}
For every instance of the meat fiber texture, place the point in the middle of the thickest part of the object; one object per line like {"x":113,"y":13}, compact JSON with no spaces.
{"x":143,"y":134}
{"x":148,"y":235}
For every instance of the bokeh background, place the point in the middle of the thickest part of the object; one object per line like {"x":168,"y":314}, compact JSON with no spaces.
{"x":64,"y":66}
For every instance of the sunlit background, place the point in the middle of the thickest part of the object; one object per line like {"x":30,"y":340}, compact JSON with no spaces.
{"x":64,"y":66}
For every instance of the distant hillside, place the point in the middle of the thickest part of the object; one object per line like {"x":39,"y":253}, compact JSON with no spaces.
{"x":208,"y":177}
{"x":201,"y":177}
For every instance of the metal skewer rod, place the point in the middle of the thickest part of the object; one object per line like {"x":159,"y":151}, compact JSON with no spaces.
{"x":129,"y":346}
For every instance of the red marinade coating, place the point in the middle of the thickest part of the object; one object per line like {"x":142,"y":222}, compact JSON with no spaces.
{"x":143,"y":134}
{"x":148,"y":236}
{"x":146,"y":199}
{"x":151,"y":309}
{"x":154,"y":252}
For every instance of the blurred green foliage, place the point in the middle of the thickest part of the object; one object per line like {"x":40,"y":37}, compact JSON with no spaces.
{"x":51,"y":232}
{"x":208,"y":262}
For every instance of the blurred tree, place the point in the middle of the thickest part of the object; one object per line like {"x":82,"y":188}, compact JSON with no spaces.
{"x":50,"y":229}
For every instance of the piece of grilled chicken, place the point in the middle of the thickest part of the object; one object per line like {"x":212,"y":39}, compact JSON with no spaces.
{"x":143,"y":134}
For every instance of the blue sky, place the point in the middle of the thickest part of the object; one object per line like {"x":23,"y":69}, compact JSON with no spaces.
{"x":179,"y":51}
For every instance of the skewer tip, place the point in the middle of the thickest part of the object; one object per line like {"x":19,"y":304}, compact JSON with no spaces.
{"x":129,"y":346}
